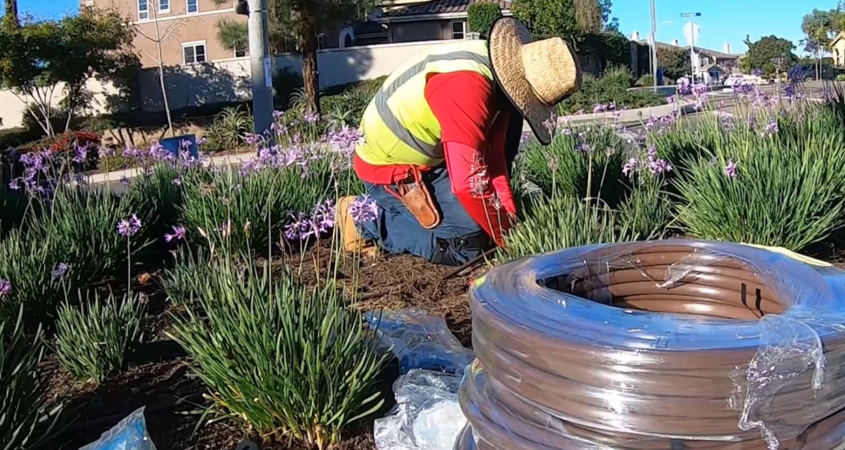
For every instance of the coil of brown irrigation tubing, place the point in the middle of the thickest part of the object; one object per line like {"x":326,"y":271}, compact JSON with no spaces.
{"x":655,"y":346}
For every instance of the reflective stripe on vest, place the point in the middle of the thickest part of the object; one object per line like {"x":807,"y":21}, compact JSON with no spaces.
{"x":469,"y":56}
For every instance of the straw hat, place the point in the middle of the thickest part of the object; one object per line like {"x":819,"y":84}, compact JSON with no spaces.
{"x":535,"y":76}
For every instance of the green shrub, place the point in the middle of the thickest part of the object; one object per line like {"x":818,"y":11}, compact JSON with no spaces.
{"x":25,"y":422}
{"x":787,"y":190}
{"x":840,"y":77}
{"x":646,"y":80}
{"x":576,"y":158}
{"x":480,"y":17}
{"x":560,"y":222}
{"x":94,"y":339}
{"x":227,"y":130}
{"x":185,"y":280}
{"x":612,"y":88}
{"x":283,"y":359}
{"x":647,"y":210}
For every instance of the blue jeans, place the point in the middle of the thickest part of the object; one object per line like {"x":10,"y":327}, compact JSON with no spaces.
{"x":396,"y":230}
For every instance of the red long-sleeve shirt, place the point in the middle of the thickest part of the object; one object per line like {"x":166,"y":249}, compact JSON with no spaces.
{"x":473,"y":134}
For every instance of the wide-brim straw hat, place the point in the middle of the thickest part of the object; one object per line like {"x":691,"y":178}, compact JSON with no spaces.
{"x":535,"y":75}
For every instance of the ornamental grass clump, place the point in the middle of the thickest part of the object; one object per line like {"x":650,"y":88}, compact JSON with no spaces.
{"x":283,"y":359}
{"x":25,"y":271}
{"x":158,"y":195}
{"x":580,"y":162}
{"x":561,"y":222}
{"x":25,"y":421}
{"x":783,"y":189}
{"x":183,"y":282}
{"x":80,"y":225}
{"x":94,"y":339}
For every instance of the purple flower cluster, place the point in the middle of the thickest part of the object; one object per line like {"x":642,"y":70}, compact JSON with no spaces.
{"x":129,"y":227}
{"x":345,"y":139}
{"x":253,"y":138}
{"x":771,"y":128}
{"x":34,"y":163}
{"x":311,"y":118}
{"x":630,"y":167}
{"x":727,"y":120}
{"x":743,"y":88}
{"x":363,"y":209}
{"x":320,"y":221}
{"x":730,"y":169}
{"x":655,"y":164}
{"x":684,"y":86}
{"x":178,"y":234}
{"x":5,"y":287}
{"x":699,"y":89}
{"x":80,"y":153}
{"x":59,"y":271}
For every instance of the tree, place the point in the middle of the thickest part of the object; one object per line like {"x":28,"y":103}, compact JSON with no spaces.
{"x":39,"y":58}
{"x":763,"y":53}
{"x":675,"y":62}
{"x":232,"y":34}
{"x":819,"y":29}
{"x":480,"y":17}
{"x":573,"y":20}
{"x":299,"y":20}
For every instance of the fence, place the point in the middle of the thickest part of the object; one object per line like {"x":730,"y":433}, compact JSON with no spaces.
{"x":229,"y":80}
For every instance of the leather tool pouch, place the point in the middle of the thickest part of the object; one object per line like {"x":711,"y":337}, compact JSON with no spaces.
{"x":416,"y":197}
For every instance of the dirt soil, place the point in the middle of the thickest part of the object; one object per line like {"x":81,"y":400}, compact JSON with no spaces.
{"x":159,"y":377}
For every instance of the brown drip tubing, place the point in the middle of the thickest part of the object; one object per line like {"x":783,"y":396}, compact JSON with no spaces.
{"x":649,"y":346}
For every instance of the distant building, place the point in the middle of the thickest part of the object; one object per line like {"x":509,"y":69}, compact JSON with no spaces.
{"x":711,"y":66}
{"x":838,"y":49}
{"x":430,"y":20}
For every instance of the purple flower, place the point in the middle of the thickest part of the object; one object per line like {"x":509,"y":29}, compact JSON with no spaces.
{"x":789,"y":90}
{"x":177,"y":181}
{"x":104,"y":152}
{"x":299,"y":229}
{"x":186,"y":144}
{"x":129,"y":227}
{"x":178,"y":234}
{"x":81,"y":153}
{"x":771,"y":128}
{"x":670,"y":99}
{"x":699,"y":89}
{"x":14,"y":185}
{"x":363,"y":209}
{"x":5,"y":287}
{"x":757,"y":72}
{"x":124,"y":180}
{"x":730,"y":169}
{"x":599,"y":108}
{"x":345,"y":140}
{"x":630,"y":167}
{"x":311,"y":118}
{"x":253,"y":139}
{"x":158,"y":153}
{"x":202,"y":141}
{"x":277,"y":114}
{"x":659,"y":166}
{"x":60,"y":271}
{"x":684,"y":87}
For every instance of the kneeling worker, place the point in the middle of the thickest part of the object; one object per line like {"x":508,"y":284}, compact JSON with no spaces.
{"x":439,"y":138}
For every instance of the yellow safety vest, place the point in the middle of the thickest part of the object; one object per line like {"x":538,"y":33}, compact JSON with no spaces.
{"x":398,"y":125}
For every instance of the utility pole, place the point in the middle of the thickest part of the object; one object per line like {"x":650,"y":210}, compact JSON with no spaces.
{"x":692,"y":41}
{"x":654,"y":45}
{"x":261,"y":63}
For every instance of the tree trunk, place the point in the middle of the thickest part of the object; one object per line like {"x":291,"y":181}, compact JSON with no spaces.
{"x":11,"y":16}
{"x":310,"y":72}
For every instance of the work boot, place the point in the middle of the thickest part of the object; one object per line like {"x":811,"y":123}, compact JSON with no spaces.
{"x":351,"y":240}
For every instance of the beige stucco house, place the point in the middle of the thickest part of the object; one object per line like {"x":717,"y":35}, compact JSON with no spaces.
{"x":837,"y":47}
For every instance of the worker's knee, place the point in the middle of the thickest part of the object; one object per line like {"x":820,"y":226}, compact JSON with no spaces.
{"x":460,"y":250}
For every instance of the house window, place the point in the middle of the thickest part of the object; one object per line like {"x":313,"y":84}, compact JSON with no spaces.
{"x":193,"y":6}
{"x":143,"y":10}
{"x":240,"y":52}
{"x":164,"y":6}
{"x":194,"y":52}
{"x":459,"y":29}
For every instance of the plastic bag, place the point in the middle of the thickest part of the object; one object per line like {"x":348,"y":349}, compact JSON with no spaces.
{"x":420,"y":341}
{"x":427,"y":415}
{"x":129,"y":434}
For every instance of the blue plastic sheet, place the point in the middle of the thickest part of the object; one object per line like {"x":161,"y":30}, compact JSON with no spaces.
{"x":129,"y":434}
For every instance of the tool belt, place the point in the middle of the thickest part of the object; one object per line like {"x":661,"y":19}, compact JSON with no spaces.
{"x":415,"y":196}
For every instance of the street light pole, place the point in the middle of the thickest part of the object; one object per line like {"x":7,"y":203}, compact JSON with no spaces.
{"x":261,"y":65}
{"x":653,"y":46}
{"x":692,"y":41}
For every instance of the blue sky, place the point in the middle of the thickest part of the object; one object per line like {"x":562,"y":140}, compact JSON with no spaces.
{"x":721,"y":21}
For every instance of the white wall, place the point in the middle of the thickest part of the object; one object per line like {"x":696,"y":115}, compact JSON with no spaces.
{"x":12,"y":109}
{"x":229,"y":80}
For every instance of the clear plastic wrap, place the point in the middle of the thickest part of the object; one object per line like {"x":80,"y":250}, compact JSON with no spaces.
{"x":129,"y":434}
{"x":665,"y":345}
{"x":420,"y":341}
{"x":427,"y":415}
